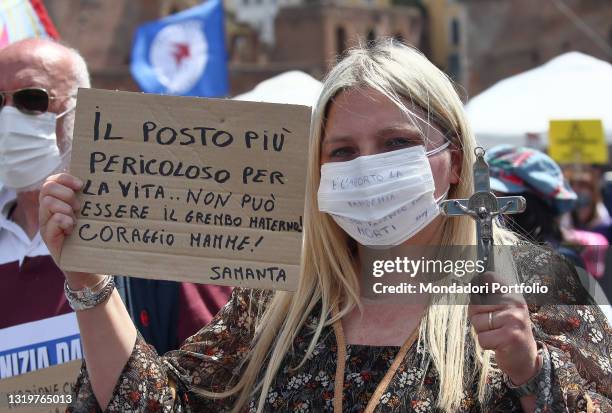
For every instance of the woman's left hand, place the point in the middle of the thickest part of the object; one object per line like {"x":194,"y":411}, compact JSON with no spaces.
{"x":503,"y":325}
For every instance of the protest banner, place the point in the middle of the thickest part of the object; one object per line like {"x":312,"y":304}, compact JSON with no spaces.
{"x":577,"y":142}
{"x":39,"y":363}
{"x":39,"y":344}
{"x":189,"y":189}
{"x":42,"y":391}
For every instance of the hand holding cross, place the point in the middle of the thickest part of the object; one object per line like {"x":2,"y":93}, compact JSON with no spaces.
{"x":482,"y":206}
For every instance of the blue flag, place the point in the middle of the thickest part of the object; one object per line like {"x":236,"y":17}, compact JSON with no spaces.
{"x":183,"y":54}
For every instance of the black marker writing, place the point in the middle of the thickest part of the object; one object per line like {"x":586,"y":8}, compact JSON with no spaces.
{"x":107,"y":133}
{"x":274,"y":274}
{"x":277,"y":139}
{"x":208,"y":198}
{"x":186,"y":136}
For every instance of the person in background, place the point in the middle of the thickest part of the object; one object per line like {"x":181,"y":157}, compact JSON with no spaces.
{"x":166,"y":313}
{"x":38,"y":85}
{"x":516,"y":170}
{"x":606,"y":281}
{"x":606,"y":191}
{"x":589,"y":223}
{"x":39,"y":80}
{"x":590,"y":213}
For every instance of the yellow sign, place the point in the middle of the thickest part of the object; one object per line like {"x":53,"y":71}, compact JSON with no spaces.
{"x":577,"y":141}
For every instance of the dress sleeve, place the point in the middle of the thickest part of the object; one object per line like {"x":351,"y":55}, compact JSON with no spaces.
{"x":578,"y":377}
{"x":209,"y":360}
{"x":577,"y":340}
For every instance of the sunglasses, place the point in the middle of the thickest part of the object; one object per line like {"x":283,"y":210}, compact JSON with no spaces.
{"x":31,"y":101}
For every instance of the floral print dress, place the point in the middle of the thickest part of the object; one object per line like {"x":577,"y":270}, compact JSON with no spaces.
{"x":577,"y":374}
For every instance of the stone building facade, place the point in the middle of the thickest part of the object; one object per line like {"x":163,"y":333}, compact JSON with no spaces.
{"x":307,"y":34}
{"x":445,"y":29}
{"x":506,"y":37}
{"x":320,"y":33}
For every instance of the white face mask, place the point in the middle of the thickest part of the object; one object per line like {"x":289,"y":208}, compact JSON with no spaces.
{"x":28,"y":149}
{"x":382,"y":199}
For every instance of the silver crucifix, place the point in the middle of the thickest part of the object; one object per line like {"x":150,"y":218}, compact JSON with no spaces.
{"x":483,"y":206}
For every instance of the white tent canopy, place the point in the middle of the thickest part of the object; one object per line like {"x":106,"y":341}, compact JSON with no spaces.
{"x":570,"y":86}
{"x":292,"y":87}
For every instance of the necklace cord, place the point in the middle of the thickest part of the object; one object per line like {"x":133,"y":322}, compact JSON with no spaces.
{"x":384,"y":383}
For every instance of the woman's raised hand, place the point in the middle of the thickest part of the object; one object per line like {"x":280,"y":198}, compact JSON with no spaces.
{"x":57,"y":218}
{"x":57,"y":212}
{"x":107,"y":332}
{"x":502,"y":324}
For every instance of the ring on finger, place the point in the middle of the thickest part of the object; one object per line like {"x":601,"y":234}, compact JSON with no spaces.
{"x":491,"y":327}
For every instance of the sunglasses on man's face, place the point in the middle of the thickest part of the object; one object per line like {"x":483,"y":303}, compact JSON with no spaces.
{"x":31,"y":101}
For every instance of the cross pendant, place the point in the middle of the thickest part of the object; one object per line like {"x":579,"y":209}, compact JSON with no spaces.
{"x":482,"y":207}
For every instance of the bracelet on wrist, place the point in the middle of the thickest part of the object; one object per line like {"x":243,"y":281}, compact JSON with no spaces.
{"x":531,"y":386}
{"x":89,"y":297}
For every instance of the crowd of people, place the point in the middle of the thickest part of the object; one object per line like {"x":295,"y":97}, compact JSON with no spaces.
{"x":565,"y":208}
{"x":324,"y":347}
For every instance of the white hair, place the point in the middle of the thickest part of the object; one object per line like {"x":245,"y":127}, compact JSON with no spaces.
{"x":81,"y":79}
{"x":81,"y":74}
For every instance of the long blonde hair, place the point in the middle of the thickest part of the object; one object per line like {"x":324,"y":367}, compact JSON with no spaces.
{"x":328,"y":275}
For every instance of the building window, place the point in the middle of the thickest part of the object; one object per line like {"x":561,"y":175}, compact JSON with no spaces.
{"x":371,"y":37}
{"x":455,"y":35}
{"x":454,"y":67}
{"x":340,"y":40}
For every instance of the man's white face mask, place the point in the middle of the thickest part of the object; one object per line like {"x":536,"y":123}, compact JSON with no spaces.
{"x":28,"y":149}
{"x":382,"y":199}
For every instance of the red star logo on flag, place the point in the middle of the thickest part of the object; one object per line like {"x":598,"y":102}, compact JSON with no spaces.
{"x":181,"y":51}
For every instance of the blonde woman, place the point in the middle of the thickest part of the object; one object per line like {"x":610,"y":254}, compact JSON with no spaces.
{"x":326,"y":347}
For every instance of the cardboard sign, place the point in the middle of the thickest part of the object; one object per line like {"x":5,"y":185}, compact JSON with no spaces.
{"x":190,"y":189}
{"x":37,"y":345}
{"x":44,"y":391}
{"x":577,"y":142}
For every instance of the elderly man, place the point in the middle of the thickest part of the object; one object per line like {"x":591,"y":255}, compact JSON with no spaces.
{"x":39,"y":80}
{"x":38,"y":85}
